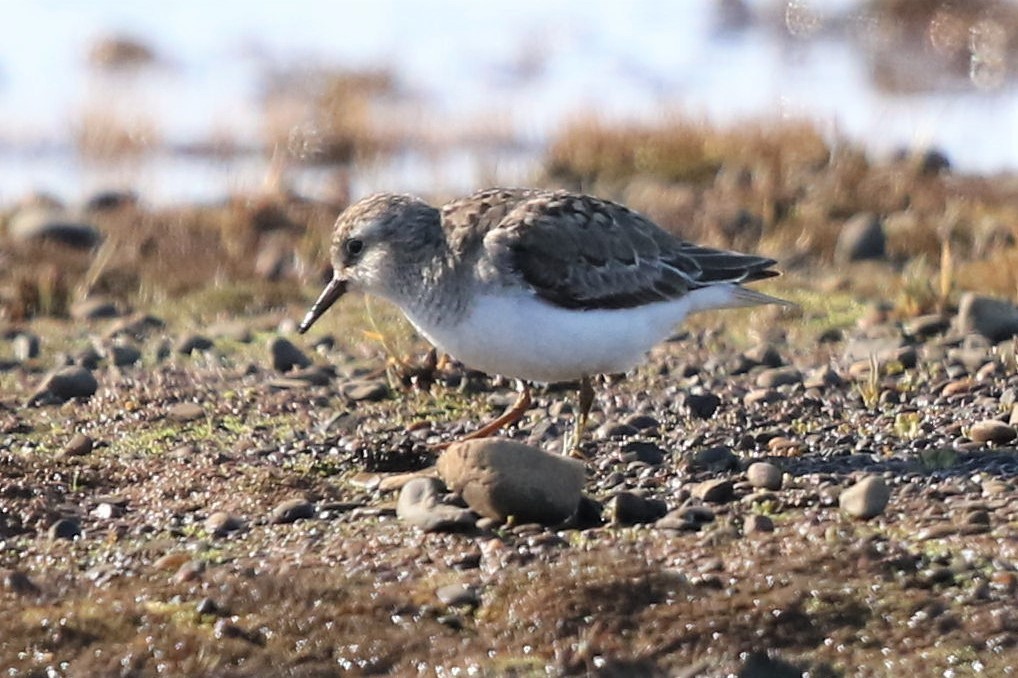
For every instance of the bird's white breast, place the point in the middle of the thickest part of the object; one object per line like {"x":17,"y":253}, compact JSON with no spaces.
{"x":521,"y":336}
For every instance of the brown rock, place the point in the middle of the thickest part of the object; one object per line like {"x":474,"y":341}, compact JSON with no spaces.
{"x":500,"y":478}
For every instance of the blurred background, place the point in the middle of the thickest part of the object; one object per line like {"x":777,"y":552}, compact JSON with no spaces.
{"x":152,"y":152}
{"x":195,"y":101}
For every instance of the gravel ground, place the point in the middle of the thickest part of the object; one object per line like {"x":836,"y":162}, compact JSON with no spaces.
{"x":223,"y":501}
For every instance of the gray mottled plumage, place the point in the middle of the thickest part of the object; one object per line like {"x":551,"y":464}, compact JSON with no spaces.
{"x":575,"y":251}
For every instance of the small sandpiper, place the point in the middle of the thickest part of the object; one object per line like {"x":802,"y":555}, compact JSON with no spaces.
{"x":540,"y":286}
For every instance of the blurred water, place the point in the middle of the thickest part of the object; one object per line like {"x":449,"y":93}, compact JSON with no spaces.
{"x":530,"y":63}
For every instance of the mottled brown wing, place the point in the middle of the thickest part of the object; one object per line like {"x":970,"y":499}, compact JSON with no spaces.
{"x":581,"y":252}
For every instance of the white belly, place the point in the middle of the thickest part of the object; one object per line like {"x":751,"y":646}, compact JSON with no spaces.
{"x":523,"y":337}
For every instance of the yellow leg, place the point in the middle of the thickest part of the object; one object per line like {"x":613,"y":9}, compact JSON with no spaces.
{"x":509,"y":417}
{"x":573,"y":446}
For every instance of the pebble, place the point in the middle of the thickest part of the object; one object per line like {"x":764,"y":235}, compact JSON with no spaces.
{"x":702,"y":405}
{"x":292,"y":510}
{"x":761,"y":396}
{"x":992,"y":431}
{"x":764,"y":475}
{"x":756,"y":523}
{"x":123,"y":355}
{"x":996,"y":319}
{"x":718,"y":458}
{"x":499,"y":478}
{"x":25,"y":346}
{"x":189,"y":571}
{"x":615,"y":430}
{"x":64,"y":384}
{"x":189,"y":343}
{"x":286,"y":356}
{"x":421,"y":504}
{"x":714,"y":491}
{"x":78,"y":446}
{"x":866,"y":499}
{"x":221,"y":523}
{"x":94,"y":309}
{"x":778,"y":376}
{"x":644,"y":452}
{"x":686,"y":519}
{"x":925,"y":326}
{"x":764,"y":354}
{"x":861,"y":237}
{"x":365,"y":391}
{"x":458,"y":595}
{"x":626,"y":508}
{"x":65,"y":528}
{"x":184,"y":412}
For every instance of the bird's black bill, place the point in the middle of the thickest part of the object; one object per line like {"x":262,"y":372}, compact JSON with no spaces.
{"x":332,"y":292}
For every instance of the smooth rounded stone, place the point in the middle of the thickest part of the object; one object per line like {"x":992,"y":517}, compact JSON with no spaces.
{"x":292,"y":510}
{"x":94,"y":309}
{"x":221,"y":523}
{"x":286,"y":356}
{"x":764,"y":354}
{"x":25,"y":346}
{"x":420,"y":504}
{"x":458,"y":595}
{"x":717,"y":458}
{"x":64,"y":384}
{"x":44,"y":223}
{"x":65,"y":528}
{"x":123,"y":355}
{"x":866,"y":499}
{"x":189,"y":571}
{"x":761,"y":396}
{"x":499,"y":478}
{"x":78,"y":446}
{"x":614,"y":430}
{"x":714,"y":491}
{"x":365,"y":391}
{"x":992,"y":431}
{"x":88,"y":357}
{"x":822,"y":377}
{"x":996,"y":319}
{"x":189,"y":343}
{"x":764,"y":475}
{"x":778,"y":376}
{"x":107,"y":511}
{"x":184,"y":412}
{"x":686,"y":519}
{"x":925,"y":326}
{"x":701,"y":405}
{"x":18,"y":582}
{"x":626,"y":508}
{"x":861,"y":237}
{"x":756,"y":523}
{"x":643,"y":422}
{"x":643,"y":451}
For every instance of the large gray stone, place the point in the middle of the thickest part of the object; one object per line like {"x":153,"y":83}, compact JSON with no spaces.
{"x":995,"y":319}
{"x":500,"y":478}
{"x":420,"y":504}
{"x":861,"y":237}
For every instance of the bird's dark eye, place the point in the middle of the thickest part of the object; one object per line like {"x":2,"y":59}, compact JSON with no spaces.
{"x":353,"y":247}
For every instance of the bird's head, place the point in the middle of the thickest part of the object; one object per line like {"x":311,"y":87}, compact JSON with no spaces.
{"x":378,"y":243}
